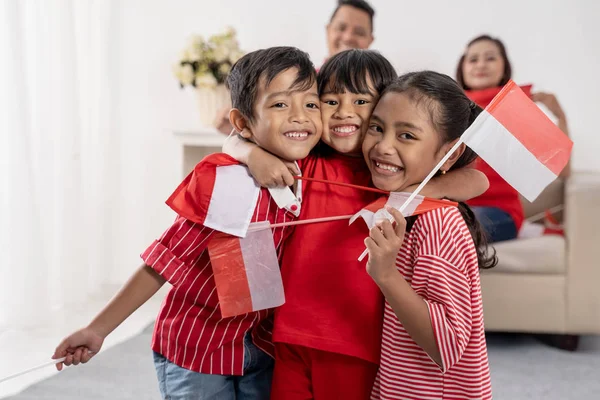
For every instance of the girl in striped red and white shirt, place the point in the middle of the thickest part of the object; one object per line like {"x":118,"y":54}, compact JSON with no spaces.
{"x":433,"y":343}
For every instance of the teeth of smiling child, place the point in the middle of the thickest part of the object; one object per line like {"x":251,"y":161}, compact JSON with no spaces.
{"x":344,"y":129}
{"x":388,"y":167}
{"x":296,"y":134}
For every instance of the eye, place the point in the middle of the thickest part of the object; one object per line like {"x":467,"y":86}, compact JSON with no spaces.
{"x":374,"y":128}
{"x":406,"y":136}
{"x":330,"y":102}
{"x":314,"y":106}
{"x":279,"y":105}
{"x":361,"y":102}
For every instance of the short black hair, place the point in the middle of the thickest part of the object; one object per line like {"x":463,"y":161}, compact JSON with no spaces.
{"x":349,"y":70}
{"x":360,"y":4}
{"x":243,"y":80}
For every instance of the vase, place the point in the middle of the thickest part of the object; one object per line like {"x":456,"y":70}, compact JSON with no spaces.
{"x":210,"y":102}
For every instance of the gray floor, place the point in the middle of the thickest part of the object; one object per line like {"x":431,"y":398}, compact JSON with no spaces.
{"x":522,"y":368}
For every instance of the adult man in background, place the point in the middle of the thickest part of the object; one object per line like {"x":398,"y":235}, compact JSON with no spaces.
{"x":350,"y":27}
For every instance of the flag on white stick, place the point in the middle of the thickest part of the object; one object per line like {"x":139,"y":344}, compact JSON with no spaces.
{"x":519,"y":142}
{"x":407,"y":203}
{"x":246,"y":271}
{"x":376,"y":212}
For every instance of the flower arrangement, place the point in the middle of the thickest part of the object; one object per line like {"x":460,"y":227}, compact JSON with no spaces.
{"x":206,"y":63}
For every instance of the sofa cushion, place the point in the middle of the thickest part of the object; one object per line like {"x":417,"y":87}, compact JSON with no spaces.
{"x":541,"y":255}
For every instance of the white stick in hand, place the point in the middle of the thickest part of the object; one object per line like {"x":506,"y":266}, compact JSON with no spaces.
{"x":47,"y":364}
{"x":427,"y":179}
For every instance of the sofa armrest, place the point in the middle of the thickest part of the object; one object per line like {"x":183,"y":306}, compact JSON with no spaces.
{"x":582,"y":226}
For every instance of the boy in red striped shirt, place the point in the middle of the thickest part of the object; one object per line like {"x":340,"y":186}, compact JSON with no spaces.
{"x":197,"y":352}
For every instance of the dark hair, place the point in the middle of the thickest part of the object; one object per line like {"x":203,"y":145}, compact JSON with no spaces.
{"x":507,"y":67}
{"x":359,"y":4}
{"x":451,"y":114}
{"x":349,"y":70}
{"x":243,"y":80}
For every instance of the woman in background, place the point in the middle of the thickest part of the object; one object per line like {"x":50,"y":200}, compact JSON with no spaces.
{"x":482,"y":71}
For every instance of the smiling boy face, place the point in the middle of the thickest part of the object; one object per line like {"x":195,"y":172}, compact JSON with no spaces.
{"x":287,"y":118}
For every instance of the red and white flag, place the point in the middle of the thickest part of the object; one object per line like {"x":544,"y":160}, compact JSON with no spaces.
{"x":219,"y":194}
{"x":246,"y":271}
{"x":376,"y":212}
{"x":519,"y":142}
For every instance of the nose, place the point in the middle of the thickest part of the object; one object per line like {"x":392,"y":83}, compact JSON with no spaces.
{"x":385,"y":145}
{"x":348,"y":38}
{"x":343,"y":111}
{"x":298,"y":115}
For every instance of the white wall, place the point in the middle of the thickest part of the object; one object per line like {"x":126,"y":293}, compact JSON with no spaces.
{"x":553,"y":44}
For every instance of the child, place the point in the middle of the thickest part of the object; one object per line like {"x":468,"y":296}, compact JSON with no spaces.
{"x":328,"y":333}
{"x":197,"y":352}
{"x":433,"y":345}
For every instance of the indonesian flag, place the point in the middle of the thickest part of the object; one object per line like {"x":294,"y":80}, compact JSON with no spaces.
{"x":219,"y":194}
{"x":519,"y":142}
{"x":246,"y":271}
{"x":376,"y":211}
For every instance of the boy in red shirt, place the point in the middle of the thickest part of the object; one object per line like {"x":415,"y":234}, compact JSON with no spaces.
{"x":199,"y":353}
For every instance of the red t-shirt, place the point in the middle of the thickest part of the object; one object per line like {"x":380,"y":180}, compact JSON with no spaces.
{"x":332,"y":304}
{"x":500,"y":194}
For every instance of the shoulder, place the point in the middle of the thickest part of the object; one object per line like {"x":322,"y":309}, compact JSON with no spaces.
{"x":440,"y":220}
{"x":217,"y":160}
{"x":441,"y":230}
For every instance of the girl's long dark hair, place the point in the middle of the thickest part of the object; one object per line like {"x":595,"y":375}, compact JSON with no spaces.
{"x":451,"y":113}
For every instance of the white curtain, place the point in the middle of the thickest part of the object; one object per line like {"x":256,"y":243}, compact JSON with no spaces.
{"x":56,"y":138}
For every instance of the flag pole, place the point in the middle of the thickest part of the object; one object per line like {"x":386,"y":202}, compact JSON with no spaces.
{"x":299,"y":222}
{"x":427,"y":179}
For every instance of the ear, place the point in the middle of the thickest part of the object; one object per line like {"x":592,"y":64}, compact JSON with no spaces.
{"x":371,"y":41}
{"x":454,"y":157}
{"x":240,"y":123}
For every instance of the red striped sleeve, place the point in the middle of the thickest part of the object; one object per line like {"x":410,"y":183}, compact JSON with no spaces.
{"x":440,"y":277}
{"x":175,"y":252}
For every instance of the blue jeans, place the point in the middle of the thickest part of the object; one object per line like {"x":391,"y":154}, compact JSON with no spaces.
{"x":497,"y":223}
{"x":178,"y":383}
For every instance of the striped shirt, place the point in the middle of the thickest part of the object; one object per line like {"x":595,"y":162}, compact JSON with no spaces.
{"x":439,"y":261}
{"x":189,"y":330}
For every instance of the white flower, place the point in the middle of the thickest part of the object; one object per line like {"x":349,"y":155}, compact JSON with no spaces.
{"x":206,"y":80}
{"x":235,"y":55}
{"x":194,"y":54}
{"x":224,"y":69}
{"x":195,"y":41}
{"x":221,"y":54}
{"x":230,"y":31}
{"x":184,"y":55}
{"x":184,"y":73}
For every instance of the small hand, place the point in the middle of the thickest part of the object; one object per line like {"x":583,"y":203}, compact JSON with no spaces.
{"x":383,"y":243}
{"x":270,"y":171}
{"x":79,"y":347}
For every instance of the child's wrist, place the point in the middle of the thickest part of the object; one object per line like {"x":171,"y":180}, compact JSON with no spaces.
{"x":385,"y":278}
{"x":98,"y":330}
